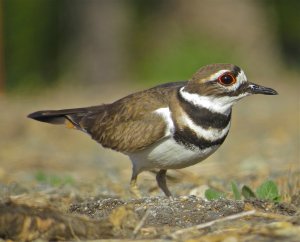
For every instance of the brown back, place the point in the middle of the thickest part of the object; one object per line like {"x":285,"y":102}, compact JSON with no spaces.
{"x":129,"y":124}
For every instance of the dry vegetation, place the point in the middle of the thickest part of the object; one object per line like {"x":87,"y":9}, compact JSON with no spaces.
{"x":59,"y":184}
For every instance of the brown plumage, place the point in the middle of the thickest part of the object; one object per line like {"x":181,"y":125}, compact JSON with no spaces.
{"x":126,"y":125}
{"x":170,"y":126}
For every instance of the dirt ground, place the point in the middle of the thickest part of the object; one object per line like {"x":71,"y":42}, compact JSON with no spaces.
{"x":58,"y":184}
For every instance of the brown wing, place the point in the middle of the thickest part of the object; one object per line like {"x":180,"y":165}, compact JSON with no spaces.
{"x":129,"y":124}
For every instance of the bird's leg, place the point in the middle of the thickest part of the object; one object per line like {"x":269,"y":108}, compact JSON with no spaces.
{"x":133,"y":187}
{"x":161,"y":181}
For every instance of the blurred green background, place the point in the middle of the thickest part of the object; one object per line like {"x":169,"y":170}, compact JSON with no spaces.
{"x":93,"y":42}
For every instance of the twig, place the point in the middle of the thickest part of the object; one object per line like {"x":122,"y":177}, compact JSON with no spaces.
{"x":141,"y":223}
{"x":72,"y":231}
{"x":272,"y":215}
{"x":210,"y":223}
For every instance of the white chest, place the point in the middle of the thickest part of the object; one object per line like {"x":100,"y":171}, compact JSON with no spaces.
{"x":168,"y":154}
{"x":190,"y":149}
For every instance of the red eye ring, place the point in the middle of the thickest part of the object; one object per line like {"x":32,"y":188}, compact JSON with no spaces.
{"x":227,"y":79}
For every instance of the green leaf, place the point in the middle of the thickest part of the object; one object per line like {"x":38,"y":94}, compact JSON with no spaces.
{"x":40,"y":176}
{"x":53,"y":180}
{"x":212,"y":194}
{"x":269,"y":191}
{"x":235,"y":190}
{"x":247,"y":192}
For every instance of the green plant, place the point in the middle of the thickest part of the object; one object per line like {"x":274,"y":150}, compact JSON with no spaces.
{"x":212,"y":194}
{"x":235,"y":190}
{"x":53,"y":180}
{"x":268,"y":190}
{"x":247,"y":192}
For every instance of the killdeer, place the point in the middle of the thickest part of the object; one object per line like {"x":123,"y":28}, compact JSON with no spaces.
{"x":170,"y":126}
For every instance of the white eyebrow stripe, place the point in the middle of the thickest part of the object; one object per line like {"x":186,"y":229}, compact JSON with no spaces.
{"x":217,"y":74}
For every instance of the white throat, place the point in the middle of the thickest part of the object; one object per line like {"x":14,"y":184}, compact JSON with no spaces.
{"x":221,"y":105}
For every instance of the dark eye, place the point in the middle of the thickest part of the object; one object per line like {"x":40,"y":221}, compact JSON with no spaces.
{"x":227,"y":79}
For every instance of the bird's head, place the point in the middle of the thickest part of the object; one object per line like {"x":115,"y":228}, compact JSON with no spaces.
{"x":219,"y":86}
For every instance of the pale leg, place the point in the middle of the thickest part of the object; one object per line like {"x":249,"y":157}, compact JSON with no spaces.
{"x":133,"y":186}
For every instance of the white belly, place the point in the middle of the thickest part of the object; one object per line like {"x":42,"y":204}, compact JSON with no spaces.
{"x":168,"y":154}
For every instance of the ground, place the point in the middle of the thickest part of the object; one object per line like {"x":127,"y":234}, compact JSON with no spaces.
{"x":58,"y":184}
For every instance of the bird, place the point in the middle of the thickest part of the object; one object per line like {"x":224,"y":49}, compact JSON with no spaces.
{"x":169,"y":126}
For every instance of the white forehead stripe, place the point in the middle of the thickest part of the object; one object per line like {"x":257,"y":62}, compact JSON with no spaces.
{"x":241,"y":77}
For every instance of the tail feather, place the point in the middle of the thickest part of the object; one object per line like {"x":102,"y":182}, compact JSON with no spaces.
{"x":69,"y":117}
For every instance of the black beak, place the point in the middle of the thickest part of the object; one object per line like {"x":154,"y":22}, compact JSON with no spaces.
{"x":257,"y":89}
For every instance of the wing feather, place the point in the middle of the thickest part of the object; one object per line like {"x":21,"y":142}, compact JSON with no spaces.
{"x":130,"y":124}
